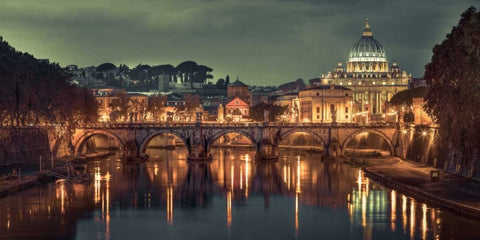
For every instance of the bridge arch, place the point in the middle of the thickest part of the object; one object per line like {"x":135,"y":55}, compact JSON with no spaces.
{"x":149,"y":137}
{"x":286,"y":134}
{"x":78,"y":145}
{"x":215,"y":136}
{"x":372,"y":131}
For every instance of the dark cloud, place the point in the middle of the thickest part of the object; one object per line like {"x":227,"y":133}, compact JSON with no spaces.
{"x":262,"y":41}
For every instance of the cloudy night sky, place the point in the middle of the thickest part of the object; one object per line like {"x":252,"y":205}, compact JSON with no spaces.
{"x":264,"y":42}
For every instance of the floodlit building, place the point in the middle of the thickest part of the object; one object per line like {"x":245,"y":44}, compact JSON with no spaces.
{"x":326,"y":104}
{"x":237,"y":110}
{"x":370,"y":77}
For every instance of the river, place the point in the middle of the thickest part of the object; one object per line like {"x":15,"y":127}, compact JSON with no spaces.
{"x":233,"y":197}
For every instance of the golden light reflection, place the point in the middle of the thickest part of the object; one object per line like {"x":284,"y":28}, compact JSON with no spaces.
{"x":404,"y":213}
{"x":424,"y":221}
{"x":412,"y":218}
{"x":155,"y":169}
{"x":97,"y":185}
{"x":170,"y":205}
{"x":393,"y":199}
{"x":241,"y":177}
{"x":107,"y":207}
{"x":8,"y":219}
{"x":62,"y":198}
{"x":296,"y":213}
{"x":289,"y":180}
{"x":246,"y":178}
{"x":298,"y":188}
{"x":229,"y":208}
{"x":231,"y":176}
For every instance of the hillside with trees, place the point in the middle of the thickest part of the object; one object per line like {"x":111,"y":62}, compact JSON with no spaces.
{"x":38,"y":93}
{"x":453,"y":78}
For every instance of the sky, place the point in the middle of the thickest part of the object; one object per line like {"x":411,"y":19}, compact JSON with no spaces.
{"x":263,"y":42}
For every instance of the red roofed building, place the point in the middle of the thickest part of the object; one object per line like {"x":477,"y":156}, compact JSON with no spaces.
{"x":237,"y":109}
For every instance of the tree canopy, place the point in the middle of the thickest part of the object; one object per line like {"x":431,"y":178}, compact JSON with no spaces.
{"x":453,"y":78}
{"x":257,"y":111}
{"x":105,"y":67}
{"x":38,"y":93}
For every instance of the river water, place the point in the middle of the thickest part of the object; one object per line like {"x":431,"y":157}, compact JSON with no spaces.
{"x":233,"y":197}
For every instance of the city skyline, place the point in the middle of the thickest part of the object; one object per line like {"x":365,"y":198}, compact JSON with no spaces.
{"x":264,"y":43}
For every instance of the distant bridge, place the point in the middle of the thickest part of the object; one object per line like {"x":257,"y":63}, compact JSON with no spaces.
{"x":265,"y":137}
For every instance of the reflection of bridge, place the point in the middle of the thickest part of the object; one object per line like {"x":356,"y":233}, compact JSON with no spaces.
{"x":265,"y":137}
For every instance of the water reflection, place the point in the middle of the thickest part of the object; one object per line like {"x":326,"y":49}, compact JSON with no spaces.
{"x":300,"y":196}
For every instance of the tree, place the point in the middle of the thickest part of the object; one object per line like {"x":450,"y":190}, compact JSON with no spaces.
{"x":140,"y":73}
{"x":186,"y":69}
{"x":257,"y":111}
{"x":37,"y":93}
{"x":155,"y":105}
{"x":105,"y":67}
{"x":227,"y":81}
{"x":120,"y":105}
{"x":220,"y":84}
{"x":453,"y":78}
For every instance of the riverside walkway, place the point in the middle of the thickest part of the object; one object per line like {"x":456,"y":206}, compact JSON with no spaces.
{"x":454,"y":193}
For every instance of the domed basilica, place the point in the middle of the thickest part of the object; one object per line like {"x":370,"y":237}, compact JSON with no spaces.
{"x":369,"y":76}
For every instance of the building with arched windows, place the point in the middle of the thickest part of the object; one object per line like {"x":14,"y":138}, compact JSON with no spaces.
{"x":370,"y":77}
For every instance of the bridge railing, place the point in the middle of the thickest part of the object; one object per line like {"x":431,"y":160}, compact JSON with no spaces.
{"x":233,"y":124}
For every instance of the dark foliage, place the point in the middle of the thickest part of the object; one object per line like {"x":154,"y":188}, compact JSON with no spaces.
{"x":257,"y":111}
{"x":36,"y":93}
{"x":453,"y":77}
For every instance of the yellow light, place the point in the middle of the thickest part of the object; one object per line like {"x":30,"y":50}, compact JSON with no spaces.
{"x":404,"y":131}
{"x":424,"y":133}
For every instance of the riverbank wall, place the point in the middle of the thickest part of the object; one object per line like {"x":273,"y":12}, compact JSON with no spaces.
{"x":12,"y":187}
{"x":24,"y":145}
{"x":452,"y":206}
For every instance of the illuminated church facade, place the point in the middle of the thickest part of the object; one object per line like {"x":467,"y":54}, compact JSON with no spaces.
{"x":368,"y":74}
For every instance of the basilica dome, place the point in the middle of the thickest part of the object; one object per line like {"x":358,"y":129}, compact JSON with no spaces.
{"x":367,"y":49}
{"x":367,"y":54}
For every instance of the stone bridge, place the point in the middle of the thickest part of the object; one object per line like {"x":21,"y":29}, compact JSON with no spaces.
{"x":265,"y":137}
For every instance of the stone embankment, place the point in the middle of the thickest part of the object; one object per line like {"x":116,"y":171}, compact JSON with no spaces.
{"x":450,"y":192}
{"x":8,"y":187}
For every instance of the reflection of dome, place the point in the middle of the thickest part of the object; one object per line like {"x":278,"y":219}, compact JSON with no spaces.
{"x":367,"y":49}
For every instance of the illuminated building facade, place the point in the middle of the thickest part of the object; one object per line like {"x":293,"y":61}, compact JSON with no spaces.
{"x":321,"y":104}
{"x":370,"y":77}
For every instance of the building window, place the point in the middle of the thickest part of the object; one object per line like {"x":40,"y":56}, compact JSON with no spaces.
{"x":318,"y":116}
{"x":318,"y":94}
{"x":318,"y":109}
{"x":245,"y":111}
{"x":346,"y":109}
{"x":346,"y":116}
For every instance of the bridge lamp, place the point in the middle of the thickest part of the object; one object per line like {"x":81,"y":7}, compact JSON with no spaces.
{"x":404,"y":131}
{"x":424,"y":133}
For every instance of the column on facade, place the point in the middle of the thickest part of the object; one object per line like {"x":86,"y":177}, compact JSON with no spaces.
{"x":370,"y":102}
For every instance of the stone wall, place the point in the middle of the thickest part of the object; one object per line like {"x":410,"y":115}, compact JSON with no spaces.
{"x":24,"y":145}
